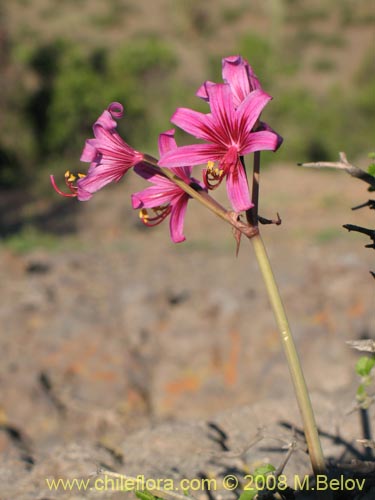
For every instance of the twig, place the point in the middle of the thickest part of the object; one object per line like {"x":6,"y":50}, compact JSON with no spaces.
{"x":367,"y":345}
{"x":292,"y":446}
{"x":263,"y":220}
{"x":343,"y":164}
{"x":363,"y":230}
{"x":369,"y":203}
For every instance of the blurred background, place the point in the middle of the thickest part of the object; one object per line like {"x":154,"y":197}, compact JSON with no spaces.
{"x":104,"y":323}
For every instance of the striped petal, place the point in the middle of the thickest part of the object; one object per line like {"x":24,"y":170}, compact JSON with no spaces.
{"x":151,"y":197}
{"x":240,"y":76}
{"x":223,"y":112}
{"x":259,"y":141}
{"x":202,"y":92}
{"x":166,"y":142}
{"x":97,"y":178}
{"x":176,"y":222}
{"x":197,"y":124}
{"x":250,"y":109}
{"x":238,"y":189}
{"x":106,"y":121}
{"x":195,"y":154}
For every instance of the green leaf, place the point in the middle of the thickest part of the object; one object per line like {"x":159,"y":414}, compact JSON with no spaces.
{"x":371,"y":169}
{"x":264,"y":469}
{"x":364,"y":365}
{"x":248,"y":495}
{"x":145,"y":495}
{"x":371,"y":155}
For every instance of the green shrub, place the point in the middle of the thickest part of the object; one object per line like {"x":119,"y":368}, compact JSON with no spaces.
{"x":77,"y":85}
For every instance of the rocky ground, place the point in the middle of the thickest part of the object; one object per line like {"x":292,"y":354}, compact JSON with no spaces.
{"x":122,"y":351}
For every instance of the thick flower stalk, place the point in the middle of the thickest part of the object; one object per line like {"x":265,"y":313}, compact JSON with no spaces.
{"x":110,"y":157}
{"x":164,"y":197}
{"x":229,"y":134}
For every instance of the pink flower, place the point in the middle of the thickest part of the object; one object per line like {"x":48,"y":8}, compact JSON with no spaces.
{"x":164,"y":197}
{"x":242,"y":80}
{"x":229,"y":134}
{"x":109,"y":155}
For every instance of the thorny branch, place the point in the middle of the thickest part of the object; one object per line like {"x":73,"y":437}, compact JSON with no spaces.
{"x":354,"y":171}
{"x":343,"y":164}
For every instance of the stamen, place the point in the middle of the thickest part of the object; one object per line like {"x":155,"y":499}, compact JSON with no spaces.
{"x":58,"y":190}
{"x":69,"y":181}
{"x":160,"y":212}
{"x":212,"y":176}
{"x":143,"y":214}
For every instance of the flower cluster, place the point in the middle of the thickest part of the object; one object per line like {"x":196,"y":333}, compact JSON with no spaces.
{"x":230,"y":130}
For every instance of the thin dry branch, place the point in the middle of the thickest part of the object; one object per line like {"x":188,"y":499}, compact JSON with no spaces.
{"x":366,"y":345}
{"x":343,"y":164}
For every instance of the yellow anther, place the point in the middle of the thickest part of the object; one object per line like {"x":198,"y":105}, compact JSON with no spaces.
{"x":67,"y":174}
{"x":143,"y":214}
{"x":81,"y":176}
{"x":71,"y":178}
{"x":210,"y":165}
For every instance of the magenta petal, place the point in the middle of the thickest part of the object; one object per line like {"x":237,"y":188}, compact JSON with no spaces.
{"x":197,"y":124}
{"x":116,"y":109}
{"x":238,"y":73}
{"x":99,"y":176}
{"x":250,"y":109}
{"x":103,"y":136}
{"x":83,"y":195}
{"x":176,"y":223}
{"x":89,"y":152}
{"x":183,"y":172}
{"x":238,"y":189}
{"x":202,"y":92}
{"x":265,"y":126}
{"x":222,"y":108}
{"x":262,"y":140}
{"x":195,"y":154}
{"x":106,"y":121}
{"x":166,"y":141}
{"x":153,"y":196}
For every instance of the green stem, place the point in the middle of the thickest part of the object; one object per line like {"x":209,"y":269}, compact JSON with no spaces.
{"x":303,"y":399}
